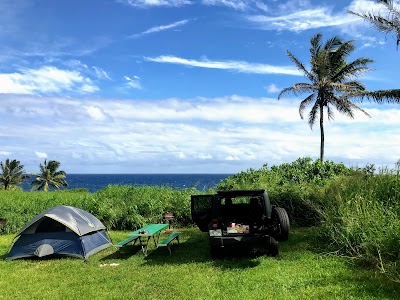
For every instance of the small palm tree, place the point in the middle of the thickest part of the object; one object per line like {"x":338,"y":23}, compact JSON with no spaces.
{"x":49,"y":176}
{"x":387,"y":23}
{"x":12,"y":174}
{"x":331,"y":81}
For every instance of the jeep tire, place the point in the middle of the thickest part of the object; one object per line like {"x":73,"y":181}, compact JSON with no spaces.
{"x":280,"y":224}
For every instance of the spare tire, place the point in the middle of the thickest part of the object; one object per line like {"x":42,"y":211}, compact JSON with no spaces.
{"x":280,"y":224}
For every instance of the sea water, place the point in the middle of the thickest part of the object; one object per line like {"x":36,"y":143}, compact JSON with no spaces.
{"x":95,"y":182}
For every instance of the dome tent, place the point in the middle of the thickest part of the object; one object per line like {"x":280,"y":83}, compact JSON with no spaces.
{"x":63,"y":230}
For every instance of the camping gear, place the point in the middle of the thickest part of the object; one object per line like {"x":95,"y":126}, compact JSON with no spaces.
{"x":64,"y":230}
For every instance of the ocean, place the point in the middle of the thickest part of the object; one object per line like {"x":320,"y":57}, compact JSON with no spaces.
{"x":95,"y":182}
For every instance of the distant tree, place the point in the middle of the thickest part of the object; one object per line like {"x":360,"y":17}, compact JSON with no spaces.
{"x":12,"y":173}
{"x":331,"y":81}
{"x":388,"y":22}
{"x":49,"y":176}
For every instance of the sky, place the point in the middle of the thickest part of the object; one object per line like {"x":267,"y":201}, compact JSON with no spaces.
{"x":181,"y":86}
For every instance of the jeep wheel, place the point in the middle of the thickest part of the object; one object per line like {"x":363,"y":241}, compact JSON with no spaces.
{"x":280,"y":224}
{"x":272,"y":246}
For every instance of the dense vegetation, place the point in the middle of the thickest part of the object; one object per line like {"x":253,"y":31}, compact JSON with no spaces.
{"x":357,"y":211}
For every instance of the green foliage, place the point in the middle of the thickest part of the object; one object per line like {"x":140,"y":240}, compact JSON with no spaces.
{"x":49,"y":177}
{"x":12,"y":173}
{"x":296,"y":186}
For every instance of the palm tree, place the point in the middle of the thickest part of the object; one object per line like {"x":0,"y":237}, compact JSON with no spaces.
{"x":387,"y":23}
{"x":332,"y":81}
{"x":12,"y":174}
{"x":49,"y":176}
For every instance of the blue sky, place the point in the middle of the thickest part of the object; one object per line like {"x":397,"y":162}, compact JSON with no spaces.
{"x":180,"y":86}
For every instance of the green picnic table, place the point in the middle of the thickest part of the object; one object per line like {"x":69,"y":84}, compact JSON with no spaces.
{"x":146,"y":233}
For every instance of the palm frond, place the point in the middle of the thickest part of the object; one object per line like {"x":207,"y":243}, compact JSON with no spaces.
{"x":379,"y":96}
{"x":330,"y":112}
{"x":388,"y":23}
{"x":333,"y":44}
{"x":315,"y":44}
{"x":305,"y":103}
{"x":300,"y":66}
{"x":352,"y":69}
{"x":314,"y":112}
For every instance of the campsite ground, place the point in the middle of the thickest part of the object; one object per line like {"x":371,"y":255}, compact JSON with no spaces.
{"x":300,"y":272}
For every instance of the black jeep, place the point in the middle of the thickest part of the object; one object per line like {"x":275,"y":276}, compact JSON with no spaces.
{"x":240,"y":217}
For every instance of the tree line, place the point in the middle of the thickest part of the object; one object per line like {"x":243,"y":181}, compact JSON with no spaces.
{"x":332,"y":80}
{"x":13,"y":173}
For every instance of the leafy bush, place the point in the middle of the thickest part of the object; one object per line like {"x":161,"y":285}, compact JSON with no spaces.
{"x":296,"y":186}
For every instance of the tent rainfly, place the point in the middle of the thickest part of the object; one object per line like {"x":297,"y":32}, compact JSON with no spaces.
{"x":63,"y":230}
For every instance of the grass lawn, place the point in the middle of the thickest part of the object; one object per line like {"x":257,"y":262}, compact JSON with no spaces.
{"x":300,"y":272}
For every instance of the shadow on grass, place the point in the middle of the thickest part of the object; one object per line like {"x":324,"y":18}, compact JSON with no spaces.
{"x":123,"y":253}
{"x":194,"y":247}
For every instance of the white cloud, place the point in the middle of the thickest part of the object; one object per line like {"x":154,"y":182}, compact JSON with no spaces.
{"x":41,"y":154}
{"x":262,"y":6}
{"x":95,"y":112}
{"x":160,"y":28}
{"x":178,"y":135}
{"x":235,"y":4}
{"x":311,"y":18}
{"x":133,"y":83}
{"x":362,"y":6}
{"x":46,"y":80}
{"x":204,"y":156}
{"x":272,"y":88}
{"x":238,"y":66}
{"x":230,"y":157}
{"x":5,"y":153}
{"x":155,"y":3}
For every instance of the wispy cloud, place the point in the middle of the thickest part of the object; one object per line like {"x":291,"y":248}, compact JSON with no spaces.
{"x":160,"y":28}
{"x":235,"y":4}
{"x":302,"y":20}
{"x":238,"y":66}
{"x":45,"y":80}
{"x":94,"y":71}
{"x":155,"y":3}
{"x":133,"y":83}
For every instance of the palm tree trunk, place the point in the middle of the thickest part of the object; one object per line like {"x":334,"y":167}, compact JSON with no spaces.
{"x":321,"y":125}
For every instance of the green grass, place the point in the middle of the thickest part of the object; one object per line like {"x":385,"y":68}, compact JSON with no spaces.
{"x":300,"y":272}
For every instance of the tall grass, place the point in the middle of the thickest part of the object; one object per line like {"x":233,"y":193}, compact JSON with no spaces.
{"x":118,"y":207}
{"x":362,"y":219}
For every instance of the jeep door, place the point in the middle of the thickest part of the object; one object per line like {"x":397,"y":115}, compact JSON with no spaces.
{"x":201,"y":210}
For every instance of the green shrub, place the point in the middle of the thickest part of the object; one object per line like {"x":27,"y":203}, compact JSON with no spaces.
{"x":296,"y":186}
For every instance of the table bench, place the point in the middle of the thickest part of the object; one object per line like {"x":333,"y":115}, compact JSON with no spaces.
{"x":168,"y":240}
{"x":126,"y":241}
